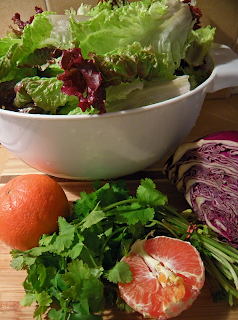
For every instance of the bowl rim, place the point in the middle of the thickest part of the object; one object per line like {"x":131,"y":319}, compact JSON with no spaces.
{"x":112,"y":114}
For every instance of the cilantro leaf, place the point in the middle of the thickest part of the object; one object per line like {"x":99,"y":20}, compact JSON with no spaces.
{"x":61,"y":314}
{"x":41,"y":270}
{"x":77,"y":271}
{"x":56,"y":314}
{"x":21,"y":259}
{"x":134,"y":214}
{"x":44,"y":300}
{"x":85,"y":204}
{"x":28,"y":299}
{"x":83,"y":287}
{"x":17,"y":263}
{"x":148,"y":195}
{"x":74,"y":251}
{"x":92,"y":294}
{"x":57,"y":243}
{"x":93,"y":217}
{"x":47,"y":239}
{"x":111,"y":193}
{"x":120,"y":273}
{"x":66,"y":235}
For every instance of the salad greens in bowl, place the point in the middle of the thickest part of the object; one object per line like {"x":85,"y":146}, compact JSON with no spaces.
{"x":107,"y":91}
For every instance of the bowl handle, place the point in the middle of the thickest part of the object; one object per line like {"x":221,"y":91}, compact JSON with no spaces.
{"x":225,"y":73}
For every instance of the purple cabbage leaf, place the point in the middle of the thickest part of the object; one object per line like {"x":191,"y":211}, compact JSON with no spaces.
{"x":206,"y":173}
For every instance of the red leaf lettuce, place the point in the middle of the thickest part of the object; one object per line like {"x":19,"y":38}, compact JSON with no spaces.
{"x":82,"y":79}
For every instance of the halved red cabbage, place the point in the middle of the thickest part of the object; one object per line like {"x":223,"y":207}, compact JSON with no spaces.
{"x":206,"y":173}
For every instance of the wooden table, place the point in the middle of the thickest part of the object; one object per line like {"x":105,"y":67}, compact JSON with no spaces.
{"x":214,"y":117}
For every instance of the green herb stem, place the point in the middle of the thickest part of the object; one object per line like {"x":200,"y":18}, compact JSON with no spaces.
{"x":177,"y":219}
{"x":122,"y":229}
{"x":223,"y":270}
{"x":119,"y":203}
{"x":235,"y":268}
{"x":178,"y":223}
{"x":167,"y":226}
{"x":90,"y":257}
{"x":230,"y":299}
{"x":219,"y":253}
{"x":214,"y":243}
{"x":171,"y":210}
{"x":228,"y":266}
{"x":220,"y":278}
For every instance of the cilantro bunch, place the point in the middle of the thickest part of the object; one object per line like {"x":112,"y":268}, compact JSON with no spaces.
{"x":72,"y":273}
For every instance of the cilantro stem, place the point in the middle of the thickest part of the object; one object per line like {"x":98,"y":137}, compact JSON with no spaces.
{"x":166,"y":226}
{"x":218,"y":252}
{"x":122,"y":202}
{"x":214,"y":243}
{"x":209,"y":270}
{"x":223,"y":269}
{"x":177,"y":219}
{"x":108,"y":238}
{"x":230,"y":299}
{"x":228,"y":266}
{"x":90,"y":257}
{"x":171,"y":210}
{"x":219,"y":277}
{"x":179,"y":223}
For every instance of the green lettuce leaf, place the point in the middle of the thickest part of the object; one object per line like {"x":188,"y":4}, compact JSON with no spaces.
{"x":44,"y":93}
{"x":71,"y":110}
{"x":171,"y":38}
{"x":110,"y":29}
{"x":126,"y":64}
{"x":6,"y":43}
{"x":202,"y":40}
{"x":128,"y":42}
{"x":121,"y":92}
{"x":143,"y":93}
{"x":60,"y":34}
{"x":162,"y":27}
{"x":35,"y":36}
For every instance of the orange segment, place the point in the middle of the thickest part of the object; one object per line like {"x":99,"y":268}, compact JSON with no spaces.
{"x":168,"y":275}
{"x":178,"y":256}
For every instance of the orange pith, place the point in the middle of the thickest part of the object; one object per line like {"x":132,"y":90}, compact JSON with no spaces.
{"x":29,"y":207}
{"x":164,"y":281}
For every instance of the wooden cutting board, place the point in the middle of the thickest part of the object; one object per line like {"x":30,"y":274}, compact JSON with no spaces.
{"x":11,"y":290}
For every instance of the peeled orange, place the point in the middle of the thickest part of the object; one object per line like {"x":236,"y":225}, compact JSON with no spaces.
{"x":168,"y":275}
{"x":29,"y":207}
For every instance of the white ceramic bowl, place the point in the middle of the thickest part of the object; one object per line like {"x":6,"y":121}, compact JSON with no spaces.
{"x":112,"y":145}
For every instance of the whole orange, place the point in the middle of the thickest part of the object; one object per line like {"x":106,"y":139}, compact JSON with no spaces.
{"x":29,"y":207}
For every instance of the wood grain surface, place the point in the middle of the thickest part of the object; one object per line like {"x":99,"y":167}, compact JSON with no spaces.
{"x":11,"y":290}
